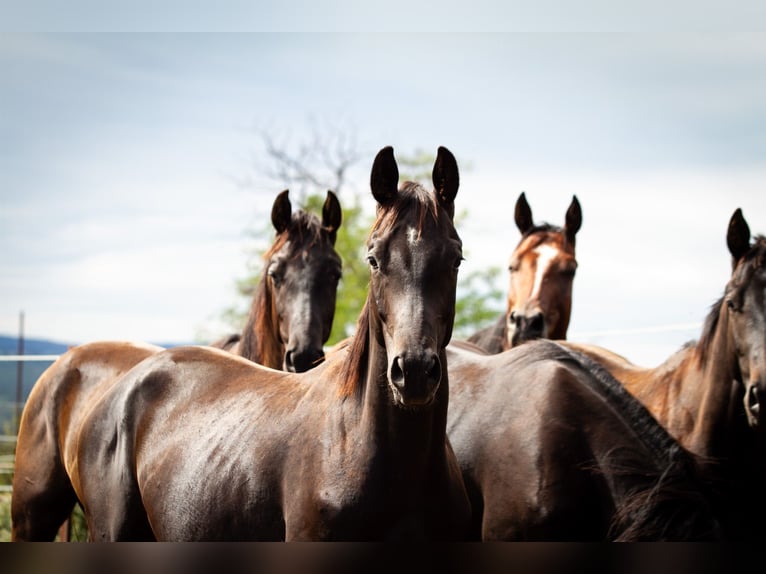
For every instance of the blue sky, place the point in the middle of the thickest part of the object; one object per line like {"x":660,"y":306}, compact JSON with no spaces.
{"x":121,"y":216}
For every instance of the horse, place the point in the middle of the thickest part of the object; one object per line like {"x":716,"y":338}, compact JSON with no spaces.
{"x":293,"y":307}
{"x":195,"y":443}
{"x":542,"y":270}
{"x":552,"y":448}
{"x":708,"y":394}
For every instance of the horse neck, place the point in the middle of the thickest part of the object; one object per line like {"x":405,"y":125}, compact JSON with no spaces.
{"x":404,"y":435}
{"x":716,"y":373}
{"x":260,"y":341}
{"x":695,"y":386}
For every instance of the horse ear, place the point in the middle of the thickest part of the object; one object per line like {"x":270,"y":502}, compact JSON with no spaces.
{"x":445,"y":176}
{"x":738,"y":236}
{"x":573,"y":220}
{"x":384,"y":179}
{"x":331,"y":215}
{"x":281,"y":212}
{"x":523,"y":214}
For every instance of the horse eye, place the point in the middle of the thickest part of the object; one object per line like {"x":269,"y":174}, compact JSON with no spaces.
{"x":275,"y":278}
{"x":372,"y":261}
{"x":458,"y":261}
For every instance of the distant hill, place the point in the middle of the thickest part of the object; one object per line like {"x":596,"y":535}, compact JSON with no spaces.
{"x":10,"y":346}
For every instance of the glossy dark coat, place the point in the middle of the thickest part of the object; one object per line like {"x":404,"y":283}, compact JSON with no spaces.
{"x":552,"y":448}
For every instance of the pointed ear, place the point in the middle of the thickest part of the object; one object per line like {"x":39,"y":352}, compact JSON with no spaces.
{"x":281,"y":212}
{"x":523,"y":214}
{"x":573,"y":220}
{"x":384,"y":179}
{"x":738,"y":236}
{"x":446,"y":178}
{"x":331,"y":215}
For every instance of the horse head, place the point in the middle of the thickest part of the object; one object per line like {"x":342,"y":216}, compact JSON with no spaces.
{"x":414,"y":253}
{"x":302,"y":273}
{"x":745,"y":299}
{"x":542,"y":269}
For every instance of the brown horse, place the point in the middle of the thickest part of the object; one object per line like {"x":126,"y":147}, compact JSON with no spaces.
{"x":552,"y":448}
{"x":709,"y":393}
{"x":294,"y":303}
{"x":542,"y":271}
{"x":198,"y":444}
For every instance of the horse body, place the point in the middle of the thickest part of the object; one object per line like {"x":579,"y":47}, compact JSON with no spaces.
{"x":293,"y":307}
{"x":708,"y":394}
{"x":194,"y":443}
{"x":552,"y":448}
{"x":542,"y":269}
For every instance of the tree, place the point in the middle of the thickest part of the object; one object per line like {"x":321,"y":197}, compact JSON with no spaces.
{"x":326,"y":159}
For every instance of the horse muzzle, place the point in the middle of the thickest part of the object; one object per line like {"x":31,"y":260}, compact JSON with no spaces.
{"x":414,"y":379}
{"x":302,"y":360}
{"x":525,"y":327}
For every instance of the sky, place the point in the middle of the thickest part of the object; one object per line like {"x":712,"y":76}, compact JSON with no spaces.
{"x":123,"y":213}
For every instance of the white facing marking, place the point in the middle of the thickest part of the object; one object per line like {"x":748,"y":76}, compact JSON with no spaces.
{"x":545,"y":256}
{"x":412,"y":235}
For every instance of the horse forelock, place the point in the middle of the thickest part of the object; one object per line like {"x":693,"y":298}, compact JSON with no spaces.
{"x":542,"y":234}
{"x":305,"y":230}
{"x":411,"y":196}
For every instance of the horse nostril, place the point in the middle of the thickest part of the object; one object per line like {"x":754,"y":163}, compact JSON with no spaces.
{"x":753,"y":401}
{"x":537,"y":323}
{"x":302,"y":361}
{"x":397,"y":372}
{"x":434,"y":371}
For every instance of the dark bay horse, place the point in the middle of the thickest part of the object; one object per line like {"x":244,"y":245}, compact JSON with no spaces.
{"x":553,"y":448}
{"x":293,"y":306}
{"x":709,"y":393}
{"x":542,"y":269}
{"x":195,"y":443}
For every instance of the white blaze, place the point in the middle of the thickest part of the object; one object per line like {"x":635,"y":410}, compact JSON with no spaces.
{"x":545,"y":256}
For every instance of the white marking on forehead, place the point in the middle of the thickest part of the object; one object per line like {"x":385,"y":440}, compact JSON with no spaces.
{"x":412,"y":235}
{"x":545,"y":256}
